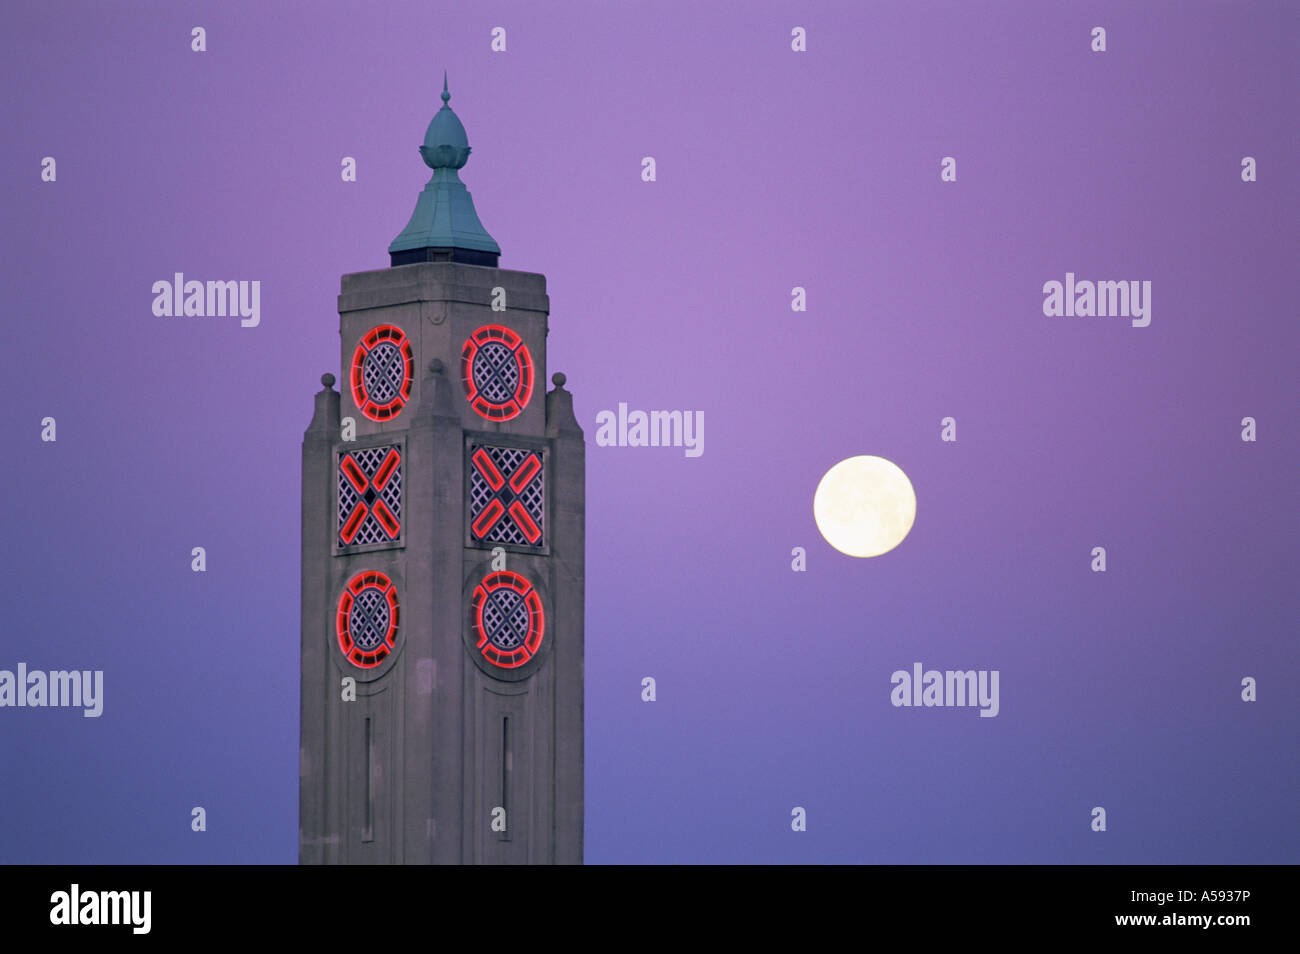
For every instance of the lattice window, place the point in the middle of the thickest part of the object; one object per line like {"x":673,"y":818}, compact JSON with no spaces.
{"x":367,"y":619}
{"x":506,"y":614}
{"x":383,"y":367}
{"x":370,"y":496}
{"x":507,"y":502}
{"x":383,"y":372}
{"x":496,"y":369}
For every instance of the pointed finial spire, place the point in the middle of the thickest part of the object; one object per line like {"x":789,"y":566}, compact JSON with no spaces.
{"x":444,"y":226}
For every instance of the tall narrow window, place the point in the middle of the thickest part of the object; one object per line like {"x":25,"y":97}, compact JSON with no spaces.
{"x":368,"y":823}
{"x":505,"y":775}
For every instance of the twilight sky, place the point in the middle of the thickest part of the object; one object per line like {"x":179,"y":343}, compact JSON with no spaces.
{"x":775,"y":169}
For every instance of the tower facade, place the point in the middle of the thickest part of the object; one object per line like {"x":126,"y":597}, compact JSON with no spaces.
{"x":443,"y":527}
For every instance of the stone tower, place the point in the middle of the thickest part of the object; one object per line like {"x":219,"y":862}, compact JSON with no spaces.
{"x":443,"y":508}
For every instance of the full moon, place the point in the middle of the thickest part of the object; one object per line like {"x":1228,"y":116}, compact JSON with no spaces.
{"x":864,"y":506}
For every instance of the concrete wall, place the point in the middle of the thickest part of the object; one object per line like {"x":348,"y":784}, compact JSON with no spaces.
{"x":438,"y":737}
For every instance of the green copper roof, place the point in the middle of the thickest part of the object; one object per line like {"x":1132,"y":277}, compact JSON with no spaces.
{"x":444,"y":215}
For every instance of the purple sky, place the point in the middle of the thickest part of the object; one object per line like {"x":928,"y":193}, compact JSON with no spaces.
{"x":775,"y":169}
